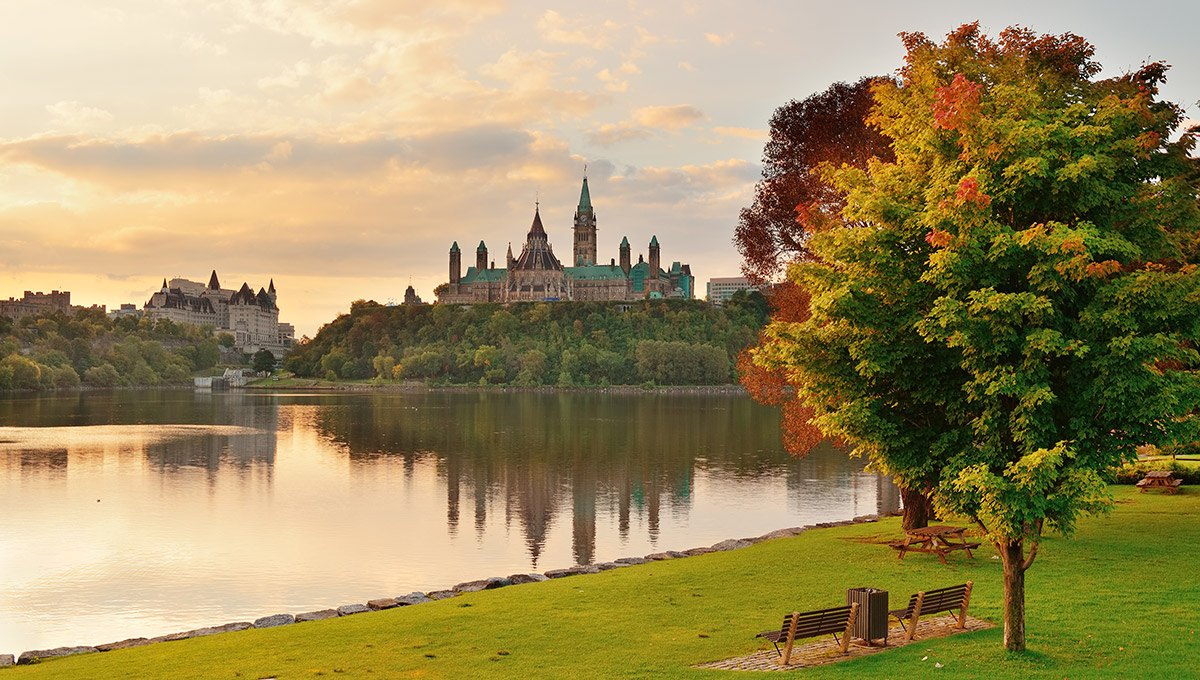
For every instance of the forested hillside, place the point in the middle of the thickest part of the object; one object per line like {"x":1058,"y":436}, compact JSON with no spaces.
{"x":52,"y":350}
{"x":569,"y":344}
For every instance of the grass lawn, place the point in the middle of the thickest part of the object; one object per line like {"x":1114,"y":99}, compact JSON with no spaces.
{"x":1117,"y":601}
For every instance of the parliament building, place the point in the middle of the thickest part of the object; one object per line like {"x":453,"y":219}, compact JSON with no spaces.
{"x":537,"y":274}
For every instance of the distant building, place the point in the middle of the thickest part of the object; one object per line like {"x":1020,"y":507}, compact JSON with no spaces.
{"x":411,"y":298}
{"x":720,"y":289}
{"x":252,"y":318}
{"x":39,"y":303}
{"x":537,"y":274}
{"x":126,"y":309}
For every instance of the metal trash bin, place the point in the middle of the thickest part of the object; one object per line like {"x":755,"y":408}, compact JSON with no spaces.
{"x":871,"y":623}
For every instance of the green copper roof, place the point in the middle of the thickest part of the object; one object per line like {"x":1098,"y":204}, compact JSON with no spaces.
{"x":653,"y":241}
{"x":595,"y":272}
{"x":473,"y":275}
{"x":454,"y":248}
{"x":585,"y":198}
{"x":624,"y":242}
{"x":481,"y":247}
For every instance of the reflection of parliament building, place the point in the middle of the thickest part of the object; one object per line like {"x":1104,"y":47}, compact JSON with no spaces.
{"x":537,"y":274}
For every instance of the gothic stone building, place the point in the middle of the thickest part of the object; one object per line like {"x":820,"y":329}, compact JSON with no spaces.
{"x":537,"y":274}
{"x":252,"y":318}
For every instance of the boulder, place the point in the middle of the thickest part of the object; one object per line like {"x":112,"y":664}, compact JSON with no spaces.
{"x":39,"y":654}
{"x":605,"y":566}
{"x":6,"y":660}
{"x":227,"y":628}
{"x":632,"y":560}
{"x":698,"y":551}
{"x":520,"y":579}
{"x":442,"y":594}
{"x":731,"y":544}
{"x":274,"y":620}
{"x":782,"y":533}
{"x":661,"y":556}
{"x":559,"y":573}
{"x":319,"y":615}
{"x":584,"y":569}
{"x":123,"y":644}
{"x":412,"y":598}
{"x":348,"y":609}
{"x":383,"y":603}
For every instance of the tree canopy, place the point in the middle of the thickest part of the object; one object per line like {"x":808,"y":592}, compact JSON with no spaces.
{"x":1008,"y":308}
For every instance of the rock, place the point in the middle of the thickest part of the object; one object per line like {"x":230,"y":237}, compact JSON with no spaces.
{"x":660,"y":556}
{"x":275,"y":620}
{"x":632,"y":560}
{"x":482,"y":584}
{"x":38,"y":654}
{"x":559,"y":573}
{"x":698,"y":551}
{"x":319,"y":615}
{"x":584,"y":569}
{"x":383,"y":603}
{"x":6,"y":660}
{"x":442,"y":594}
{"x":412,"y":598}
{"x":863,"y":519}
{"x":227,"y":628}
{"x":731,"y":544}
{"x":348,"y":609}
{"x":782,"y":533}
{"x":605,"y":566}
{"x":521,"y":579}
{"x":123,"y":644}
{"x":171,"y":637}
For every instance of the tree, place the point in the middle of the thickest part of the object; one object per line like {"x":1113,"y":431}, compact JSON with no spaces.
{"x":827,"y":127}
{"x":1008,"y":304}
{"x":792,"y":202}
{"x":264,"y":361}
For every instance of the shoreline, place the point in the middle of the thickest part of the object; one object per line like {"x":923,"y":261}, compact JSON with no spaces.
{"x":416,"y":597}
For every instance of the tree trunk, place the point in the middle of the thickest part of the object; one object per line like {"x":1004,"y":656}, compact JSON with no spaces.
{"x":918,"y":510}
{"x":1013,"y":558}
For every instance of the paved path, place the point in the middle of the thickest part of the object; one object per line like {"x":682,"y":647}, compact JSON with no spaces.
{"x":824,"y":650}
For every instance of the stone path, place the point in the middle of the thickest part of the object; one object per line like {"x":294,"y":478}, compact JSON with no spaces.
{"x":824,"y":650}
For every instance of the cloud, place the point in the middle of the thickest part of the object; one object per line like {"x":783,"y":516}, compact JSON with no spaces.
{"x":613,"y":133}
{"x":195,"y":43}
{"x":554,"y":27}
{"x":611,"y":82}
{"x":744,"y":133}
{"x":75,"y":116}
{"x":718,"y":40}
{"x":667,"y":117}
{"x":686,"y":66}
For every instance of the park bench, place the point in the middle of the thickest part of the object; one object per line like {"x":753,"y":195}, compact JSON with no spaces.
{"x":933,"y":602}
{"x":1160,"y":479}
{"x":797,"y":626}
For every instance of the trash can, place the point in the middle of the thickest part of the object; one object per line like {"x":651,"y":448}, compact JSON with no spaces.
{"x":871,"y":623}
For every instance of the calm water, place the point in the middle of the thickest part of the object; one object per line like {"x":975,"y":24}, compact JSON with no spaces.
{"x":143,"y":513}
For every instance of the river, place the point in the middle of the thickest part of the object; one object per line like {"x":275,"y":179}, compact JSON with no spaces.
{"x":141,"y":513}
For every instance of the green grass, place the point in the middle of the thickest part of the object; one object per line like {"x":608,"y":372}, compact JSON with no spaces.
{"x":1117,"y":601}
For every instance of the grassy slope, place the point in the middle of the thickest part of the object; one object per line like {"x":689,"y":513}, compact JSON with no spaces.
{"x":1116,"y":601}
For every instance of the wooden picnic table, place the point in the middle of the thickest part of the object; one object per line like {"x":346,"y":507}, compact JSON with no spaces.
{"x":939,"y":540}
{"x":1160,"y":479}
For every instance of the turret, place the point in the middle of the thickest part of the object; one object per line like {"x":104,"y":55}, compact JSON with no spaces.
{"x":214,"y":284}
{"x":654,"y":257}
{"x":270,"y":291}
{"x":585,"y":229}
{"x":481,"y":257}
{"x":625,"y":262}
{"x":508,"y":260}
{"x":455,"y":263}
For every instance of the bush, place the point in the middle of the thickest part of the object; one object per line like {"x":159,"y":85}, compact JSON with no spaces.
{"x":103,"y":375}
{"x":1133,"y":473}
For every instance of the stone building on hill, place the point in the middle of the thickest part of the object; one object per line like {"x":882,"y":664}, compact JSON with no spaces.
{"x":537,"y":274}
{"x":38,"y":303}
{"x":252,"y":318}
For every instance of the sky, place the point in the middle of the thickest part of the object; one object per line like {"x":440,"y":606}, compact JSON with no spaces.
{"x":340,"y":147}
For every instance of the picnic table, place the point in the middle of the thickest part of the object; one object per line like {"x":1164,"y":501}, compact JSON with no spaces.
{"x":1160,"y":479}
{"x":939,"y":540}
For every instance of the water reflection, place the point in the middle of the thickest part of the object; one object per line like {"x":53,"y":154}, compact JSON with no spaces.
{"x":147,"y":507}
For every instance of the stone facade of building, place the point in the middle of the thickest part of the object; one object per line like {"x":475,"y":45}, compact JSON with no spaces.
{"x":252,"y":318}
{"x":537,"y":274}
{"x":38,"y":303}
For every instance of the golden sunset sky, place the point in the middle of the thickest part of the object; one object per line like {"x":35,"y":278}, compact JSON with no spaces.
{"x":341,"y":146}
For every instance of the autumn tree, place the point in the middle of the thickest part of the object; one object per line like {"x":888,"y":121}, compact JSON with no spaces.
{"x":1009,"y":305}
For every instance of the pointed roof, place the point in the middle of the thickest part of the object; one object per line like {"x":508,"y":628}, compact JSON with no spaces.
{"x":271,"y":286}
{"x":536,"y":229}
{"x":585,"y":198}
{"x":653,"y":241}
{"x":481,"y":247}
{"x":164,"y":284}
{"x":624,"y":241}
{"x":454,"y":248}
{"x":213,"y":283}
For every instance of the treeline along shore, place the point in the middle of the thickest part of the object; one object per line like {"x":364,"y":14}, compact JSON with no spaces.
{"x":563,"y":344}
